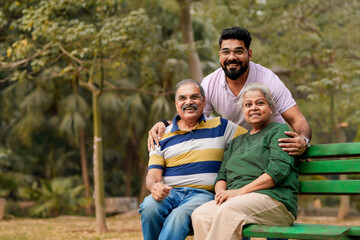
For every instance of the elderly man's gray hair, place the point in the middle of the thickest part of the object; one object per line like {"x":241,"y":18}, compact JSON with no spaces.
{"x":186,"y":81}
{"x":257,"y":87}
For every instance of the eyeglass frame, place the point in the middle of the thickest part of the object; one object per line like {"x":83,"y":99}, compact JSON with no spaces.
{"x":192,"y":97}
{"x":233,"y":51}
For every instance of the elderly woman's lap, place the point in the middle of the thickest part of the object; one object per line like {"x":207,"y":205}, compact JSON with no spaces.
{"x":225,"y":221}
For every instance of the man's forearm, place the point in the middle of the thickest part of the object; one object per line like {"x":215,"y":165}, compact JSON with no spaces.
{"x":297,"y":121}
{"x":302,"y":127}
{"x":154,"y":176}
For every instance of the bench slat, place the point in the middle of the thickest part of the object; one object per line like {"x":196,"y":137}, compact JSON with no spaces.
{"x":334,"y":150}
{"x":348,"y":166}
{"x":339,"y":187}
{"x":355,"y":231}
{"x":299,"y":231}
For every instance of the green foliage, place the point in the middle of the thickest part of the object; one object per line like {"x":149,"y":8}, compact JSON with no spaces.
{"x":112,"y":104}
{"x":74,"y":112}
{"x":55,"y":197}
{"x":52,"y":52}
{"x":7,"y":184}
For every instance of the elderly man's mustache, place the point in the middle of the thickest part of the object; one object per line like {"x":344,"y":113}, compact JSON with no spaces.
{"x":194,"y":106}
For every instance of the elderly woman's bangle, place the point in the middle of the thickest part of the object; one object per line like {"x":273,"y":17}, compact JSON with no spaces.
{"x":164,"y":121}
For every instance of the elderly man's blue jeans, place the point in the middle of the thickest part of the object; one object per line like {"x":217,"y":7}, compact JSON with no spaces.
{"x":171,"y":218}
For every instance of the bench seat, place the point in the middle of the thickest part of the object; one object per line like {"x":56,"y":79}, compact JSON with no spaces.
{"x":303,"y":231}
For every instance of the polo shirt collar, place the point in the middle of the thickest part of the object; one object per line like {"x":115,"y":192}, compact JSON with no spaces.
{"x":175,"y":126}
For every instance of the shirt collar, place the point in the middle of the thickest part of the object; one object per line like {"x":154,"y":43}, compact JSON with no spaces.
{"x":175,"y":126}
{"x":223,"y":82}
{"x":251,"y":74}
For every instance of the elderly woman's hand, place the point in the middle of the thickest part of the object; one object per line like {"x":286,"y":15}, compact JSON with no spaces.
{"x":225,"y":195}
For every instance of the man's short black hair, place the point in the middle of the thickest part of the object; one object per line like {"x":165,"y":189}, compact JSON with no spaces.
{"x":236,"y":33}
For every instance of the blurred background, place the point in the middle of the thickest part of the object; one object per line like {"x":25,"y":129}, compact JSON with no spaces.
{"x":72,"y":69}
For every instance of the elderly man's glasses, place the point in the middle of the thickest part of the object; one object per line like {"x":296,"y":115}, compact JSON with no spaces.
{"x":236,"y":52}
{"x":193,"y":97}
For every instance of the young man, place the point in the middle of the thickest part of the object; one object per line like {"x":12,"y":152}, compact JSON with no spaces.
{"x":223,"y":86}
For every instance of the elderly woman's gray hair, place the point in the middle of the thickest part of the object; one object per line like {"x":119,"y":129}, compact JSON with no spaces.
{"x":257,"y":87}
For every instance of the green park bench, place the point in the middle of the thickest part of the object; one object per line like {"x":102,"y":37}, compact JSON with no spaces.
{"x":325,"y":159}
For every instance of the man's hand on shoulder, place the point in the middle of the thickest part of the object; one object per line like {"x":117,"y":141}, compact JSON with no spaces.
{"x":155,"y":135}
{"x":295,"y":145}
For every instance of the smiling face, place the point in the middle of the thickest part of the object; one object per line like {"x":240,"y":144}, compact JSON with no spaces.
{"x":189,"y":102}
{"x":234,"y":65}
{"x":256,"y":109}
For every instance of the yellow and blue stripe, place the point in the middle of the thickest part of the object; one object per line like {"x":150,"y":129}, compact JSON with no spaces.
{"x":193,"y":158}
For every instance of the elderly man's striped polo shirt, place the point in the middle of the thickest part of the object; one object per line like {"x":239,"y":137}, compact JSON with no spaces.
{"x":193,"y":158}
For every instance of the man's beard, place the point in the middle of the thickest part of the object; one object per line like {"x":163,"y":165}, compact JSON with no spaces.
{"x":235,"y":74}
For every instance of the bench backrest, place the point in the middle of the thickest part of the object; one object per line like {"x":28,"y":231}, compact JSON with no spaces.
{"x":331,"y":159}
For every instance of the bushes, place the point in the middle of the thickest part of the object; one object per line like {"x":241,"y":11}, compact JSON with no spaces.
{"x":56,"y":197}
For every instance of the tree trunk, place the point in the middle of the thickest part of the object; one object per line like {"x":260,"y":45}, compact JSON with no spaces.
{"x":84,"y":170}
{"x":2,"y":207}
{"x":143,"y":190}
{"x":128,"y":167}
{"x":344,"y":204}
{"x":188,"y":38}
{"x":98,"y":168}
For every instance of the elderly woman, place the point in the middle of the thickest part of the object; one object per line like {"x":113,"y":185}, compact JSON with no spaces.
{"x":257,"y":182}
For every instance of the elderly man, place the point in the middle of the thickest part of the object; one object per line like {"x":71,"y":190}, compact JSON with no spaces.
{"x":183,"y":168}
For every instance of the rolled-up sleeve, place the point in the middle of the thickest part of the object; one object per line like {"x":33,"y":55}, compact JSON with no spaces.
{"x":280,"y":162}
{"x":156,"y":159}
{"x":222,"y":172}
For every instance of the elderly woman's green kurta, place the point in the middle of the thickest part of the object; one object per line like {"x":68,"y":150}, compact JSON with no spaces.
{"x":249,"y":156}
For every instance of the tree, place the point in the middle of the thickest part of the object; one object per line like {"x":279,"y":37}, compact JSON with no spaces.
{"x":188,"y":38}
{"x":55,"y":53}
{"x":87,"y":23}
{"x":88,"y":44}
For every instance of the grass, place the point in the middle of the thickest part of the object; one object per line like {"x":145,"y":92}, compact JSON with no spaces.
{"x":126,"y":226}
{"x":70,"y":227}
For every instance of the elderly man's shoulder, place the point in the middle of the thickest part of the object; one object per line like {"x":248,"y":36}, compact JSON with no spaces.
{"x":224,"y":122}
{"x":214,"y":122}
